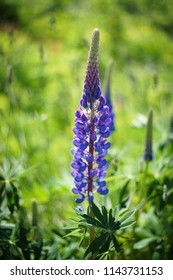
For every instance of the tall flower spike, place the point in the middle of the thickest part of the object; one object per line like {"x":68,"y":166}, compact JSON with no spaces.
{"x":92,"y":127}
{"x":107,"y":94}
{"x":148,"y":153}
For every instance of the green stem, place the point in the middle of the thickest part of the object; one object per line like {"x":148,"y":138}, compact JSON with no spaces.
{"x":143,"y":183}
{"x":92,"y":231}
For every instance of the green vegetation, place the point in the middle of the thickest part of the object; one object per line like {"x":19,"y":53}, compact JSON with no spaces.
{"x":43,"y":53}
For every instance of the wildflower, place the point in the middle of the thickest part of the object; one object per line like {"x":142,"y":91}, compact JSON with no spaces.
{"x":148,"y":153}
{"x":92,"y":127}
{"x":107,"y":94}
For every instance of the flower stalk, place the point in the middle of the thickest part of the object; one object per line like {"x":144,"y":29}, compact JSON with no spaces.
{"x":92,"y":128}
{"x":148,"y":153}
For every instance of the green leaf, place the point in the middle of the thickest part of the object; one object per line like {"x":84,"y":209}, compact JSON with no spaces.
{"x":121,"y":207}
{"x":123,"y":190}
{"x":2,"y":190}
{"x":111,"y":218}
{"x":72,"y":232}
{"x":96,"y":244}
{"x":138,"y":206}
{"x":92,"y":221}
{"x":70,"y":228}
{"x":127,"y":224}
{"x":16,"y":252}
{"x":106,"y":245}
{"x":74,"y":219}
{"x":127,"y":216}
{"x":116,"y":226}
{"x":144,"y":242}
{"x":130,"y":213}
{"x":116,"y":244}
{"x":82,"y":237}
{"x":116,"y":211}
{"x":98,"y":214}
{"x":7,"y":226}
{"x":105,"y":215}
{"x":124,"y":204}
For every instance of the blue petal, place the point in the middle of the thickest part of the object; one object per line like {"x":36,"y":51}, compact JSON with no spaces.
{"x":93,"y":136}
{"x":102,"y":163}
{"x":104,"y":167}
{"x":102,"y":191}
{"x":80,"y":199}
{"x":102,"y":184}
{"x":75,"y":191}
{"x":90,"y":196}
{"x":105,"y":134}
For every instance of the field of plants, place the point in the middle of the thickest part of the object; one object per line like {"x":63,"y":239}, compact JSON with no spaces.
{"x":44,"y":48}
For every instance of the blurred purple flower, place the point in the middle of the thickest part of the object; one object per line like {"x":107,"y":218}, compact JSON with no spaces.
{"x":92,"y":127}
{"x":80,"y":209}
{"x":148,"y":153}
{"x":107,"y":94}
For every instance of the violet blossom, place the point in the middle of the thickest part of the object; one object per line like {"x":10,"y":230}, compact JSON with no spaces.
{"x":92,"y":128}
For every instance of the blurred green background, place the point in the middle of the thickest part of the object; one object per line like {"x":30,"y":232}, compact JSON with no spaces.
{"x":43,"y":52}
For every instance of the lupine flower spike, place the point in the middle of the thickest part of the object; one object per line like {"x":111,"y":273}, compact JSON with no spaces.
{"x":92,"y":127}
{"x":148,"y":153}
{"x":107,"y":94}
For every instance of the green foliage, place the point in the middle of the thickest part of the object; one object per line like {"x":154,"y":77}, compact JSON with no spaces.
{"x":105,"y":224}
{"x":43,"y":51}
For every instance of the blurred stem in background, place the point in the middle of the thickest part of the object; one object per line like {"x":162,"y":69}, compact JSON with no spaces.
{"x":148,"y":154}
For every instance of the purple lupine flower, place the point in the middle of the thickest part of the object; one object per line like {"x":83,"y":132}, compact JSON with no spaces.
{"x":148,"y":153}
{"x":92,"y":128}
{"x":107,"y":94}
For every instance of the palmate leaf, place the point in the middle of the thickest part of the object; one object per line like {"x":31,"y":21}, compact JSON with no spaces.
{"x":116,"y":244}
{"x":14,"y":170}
{"x":121,"y":207}
{"x":127,"y":216}
{"x":82,"y":237}
{"x":127,"y":224}
{"x":106,"y":245}
{"x":105,"y":215}
{"x":74,"y":230}
{"x":124,"y":204}
{"x":105,"y":218}
{"x":111,"y":219}
{"x":95,"y":245}
{"x":115,"y":226}
{"x":97,"y":213}
{"x":91,"y":221}
{"x":130,"y":213}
